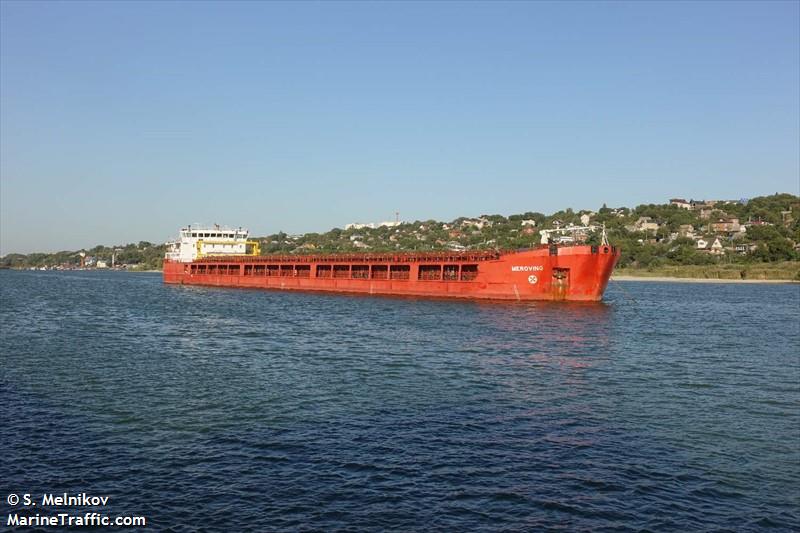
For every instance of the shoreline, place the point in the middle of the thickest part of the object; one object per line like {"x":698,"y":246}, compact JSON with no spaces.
{"x":670,"y":279}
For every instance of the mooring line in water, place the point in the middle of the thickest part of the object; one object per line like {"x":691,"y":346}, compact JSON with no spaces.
{"x":626,"y":294}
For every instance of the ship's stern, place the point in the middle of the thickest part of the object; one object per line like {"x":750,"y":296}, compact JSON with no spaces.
{"x":172,"y":271}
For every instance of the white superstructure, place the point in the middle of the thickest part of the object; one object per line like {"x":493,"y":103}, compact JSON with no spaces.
{"x":198,"y":241}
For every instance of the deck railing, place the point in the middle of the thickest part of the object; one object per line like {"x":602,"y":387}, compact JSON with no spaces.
{"x":401,"y":257}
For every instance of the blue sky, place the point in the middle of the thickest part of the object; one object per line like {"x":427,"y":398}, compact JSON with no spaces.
{"x":121,"y":122}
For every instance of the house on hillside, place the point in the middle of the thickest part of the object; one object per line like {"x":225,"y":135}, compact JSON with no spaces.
{"x":726,"y":225}
{"x":479,"y":223}
{"x":704,"y":208}
{"x":680,"y":202}
{"x":358,"y":225}
{"x":644,"y":224}
{"x":717,"y":248}
{"x":686,"y":230}
{"x":705,"y":212}
{"x":745,"y":248}
{"x":758,"y":222}
{"x":455,"y":246}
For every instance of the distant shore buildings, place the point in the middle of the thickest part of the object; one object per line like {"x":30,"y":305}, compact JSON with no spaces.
{"x":373,"y":225}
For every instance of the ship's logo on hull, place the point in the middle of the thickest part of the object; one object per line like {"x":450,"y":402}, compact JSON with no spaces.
{"x":532,"y":279}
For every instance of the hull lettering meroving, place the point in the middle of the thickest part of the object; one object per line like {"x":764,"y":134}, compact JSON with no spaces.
{"x":574,"y":273}
{"x":527,"y":268}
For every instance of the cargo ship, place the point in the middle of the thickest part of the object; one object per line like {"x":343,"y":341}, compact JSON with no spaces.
{"x":227,"y":258}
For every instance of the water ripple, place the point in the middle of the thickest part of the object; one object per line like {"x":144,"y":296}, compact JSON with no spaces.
{"x":217,"y":409}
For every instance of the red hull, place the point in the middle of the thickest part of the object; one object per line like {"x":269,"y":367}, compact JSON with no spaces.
{"x":575,"y":273}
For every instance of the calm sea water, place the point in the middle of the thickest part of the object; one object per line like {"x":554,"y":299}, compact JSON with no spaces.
{"x":667,"y":407}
